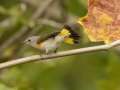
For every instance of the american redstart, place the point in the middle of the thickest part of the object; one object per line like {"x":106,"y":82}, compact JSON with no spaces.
{"x":51,"y":42}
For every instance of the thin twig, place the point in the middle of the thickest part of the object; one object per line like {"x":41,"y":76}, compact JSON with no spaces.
{"x":24,"y":29}
{"x":50,"y":23}
{"x":57,"y":55}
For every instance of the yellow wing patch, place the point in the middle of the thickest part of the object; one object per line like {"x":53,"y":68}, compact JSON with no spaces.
{"x":65,"y":32}
{"x":69,"y":40}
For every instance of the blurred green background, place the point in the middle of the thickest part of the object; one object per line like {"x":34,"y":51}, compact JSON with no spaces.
{"x":89,"y":71}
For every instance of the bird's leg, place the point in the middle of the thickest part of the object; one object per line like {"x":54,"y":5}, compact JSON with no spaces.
{"x":46,"y":51}
{"x":41,"y":53}
{"x":55,"y":51}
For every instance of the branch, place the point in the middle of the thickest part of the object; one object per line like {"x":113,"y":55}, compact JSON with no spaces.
{"x":50,"y":23}
{"x":57,"y":55}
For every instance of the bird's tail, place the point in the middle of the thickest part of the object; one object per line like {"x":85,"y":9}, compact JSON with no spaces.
{"x":71,"y":37}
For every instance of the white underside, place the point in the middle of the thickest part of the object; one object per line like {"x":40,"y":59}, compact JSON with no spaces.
{"x":52,"y":44}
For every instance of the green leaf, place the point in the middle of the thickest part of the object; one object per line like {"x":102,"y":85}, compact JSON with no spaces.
{"x":76,"y":7}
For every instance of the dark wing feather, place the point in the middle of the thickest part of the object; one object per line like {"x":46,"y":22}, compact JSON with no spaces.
{"x":72,"y":29}
{"x":52,"y":35}
{"x":43,"y":38}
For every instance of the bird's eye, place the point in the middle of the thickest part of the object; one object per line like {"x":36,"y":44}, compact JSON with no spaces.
{"x":29,"y":40}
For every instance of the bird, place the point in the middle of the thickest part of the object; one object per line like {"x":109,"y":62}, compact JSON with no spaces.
{"x":51,"y":42}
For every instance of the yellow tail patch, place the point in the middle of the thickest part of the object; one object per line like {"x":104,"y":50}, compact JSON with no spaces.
{"x":69,"y":40}
{"x":65,"y":32}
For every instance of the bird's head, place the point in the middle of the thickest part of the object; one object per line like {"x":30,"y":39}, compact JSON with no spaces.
{"x":32,"y":41}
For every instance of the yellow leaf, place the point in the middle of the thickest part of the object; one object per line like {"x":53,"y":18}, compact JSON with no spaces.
{"x":102,"y":23}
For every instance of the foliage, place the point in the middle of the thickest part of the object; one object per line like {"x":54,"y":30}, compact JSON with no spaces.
{"x":100,"y":24}
{"x":90,"y":71}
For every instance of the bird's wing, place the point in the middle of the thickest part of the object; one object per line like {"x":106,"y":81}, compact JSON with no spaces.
{"x":46,"y":37}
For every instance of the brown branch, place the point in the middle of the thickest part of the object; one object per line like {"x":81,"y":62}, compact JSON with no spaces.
{"x":57,"y":55}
